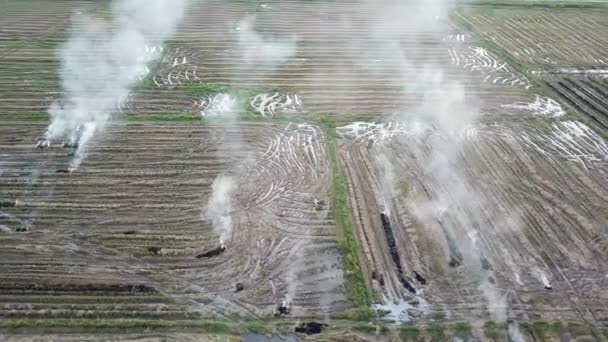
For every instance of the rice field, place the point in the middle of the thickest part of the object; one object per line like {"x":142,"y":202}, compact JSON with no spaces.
{"x":391,"y":171}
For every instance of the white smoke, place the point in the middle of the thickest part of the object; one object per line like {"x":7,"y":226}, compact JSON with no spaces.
{"x":219,"y":207}
{"x":539,"y":274}
{"x":497,"y":302}
{"x":220,"y":105}
{"x":102,"y":61}
{"x":441,"y":111}
{"x":257,"y":49}
{"x":514,"y":334}
{"x":388,"y":183}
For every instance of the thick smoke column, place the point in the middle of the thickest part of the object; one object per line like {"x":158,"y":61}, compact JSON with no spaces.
{"x":219,"y":207}
{"x":102,"y":61}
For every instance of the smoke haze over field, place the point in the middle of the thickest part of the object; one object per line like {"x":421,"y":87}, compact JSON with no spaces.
{"x":440,"y":110}
{"x":102,"y":61}
{"x":255,"y":51}
{"x":219,"y":207}
{"x":258,"y":50}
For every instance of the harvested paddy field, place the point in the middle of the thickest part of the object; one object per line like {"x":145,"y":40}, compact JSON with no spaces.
{"x":134,"y":217}
{"x":544,"y":36}
{"x":395,"y":170}
{"x":319,"y":59}
{"x":500,"y":219}
{"x":485,"y":215}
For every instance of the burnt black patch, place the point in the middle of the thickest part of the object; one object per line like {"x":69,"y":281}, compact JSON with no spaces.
{"x":212,"y":253}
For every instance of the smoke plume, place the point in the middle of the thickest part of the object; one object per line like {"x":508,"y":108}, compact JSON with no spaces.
{"x":514,"y":334}
{"x":102,"y":61}
{"x":219,"y":207}
{"x":259,"y":50}
{"x":438,"y":109}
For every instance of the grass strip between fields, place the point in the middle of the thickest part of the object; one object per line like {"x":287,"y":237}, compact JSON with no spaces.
{"x":356,"y":287}
{"x":227,"y":327}
{"x":207,"y":326}
{"x":434,"y":330}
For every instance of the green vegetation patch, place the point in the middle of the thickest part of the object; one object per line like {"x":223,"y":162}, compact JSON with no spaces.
{"x":493,"y":330}
{"x":409,"y":332}
{"x":462,"y":330}
{"x":356,"y":287}
{"x":539,"y":329}
{"x":14,"y":117}
{"x":362,"y":313}
{"x":257,"y":327}
{"x":207,"y":326}
{"x":436,"y":331}
{"x":367,"y":328}
{"x":212,"y":88}
{"x":159,"y":117}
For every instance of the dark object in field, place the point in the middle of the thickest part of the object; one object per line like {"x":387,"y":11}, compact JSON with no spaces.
{"x":310,"y":328}
{"x":154,"y":249}
{"x":21,"y":229}
{"x":129,"y":232}
{"x":390,"y":240}
{"x":212,"y":253}
{"x":7,"y":204}
{"x":454,"y":262}
{"x":319,"y":204}
{"x":485,"y":264}
{"x":408,"y":286}
{"x":70,"y":145}
{"x":392,"y":246}
{"x":378,"y":277}
{"x":239,"y":287}
{"x":71,"y":148}
{"x":282,"y":310}
{"x":456,"y":258}
{"x":63,"y":171}
{"x":548,"y":286}
{"x":419,"y":278}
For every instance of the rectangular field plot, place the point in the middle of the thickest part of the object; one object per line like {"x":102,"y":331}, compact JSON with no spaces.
{"x":502,"y":221}
{"x":30,"y":80}
{"x":35,"y":19}
{"x":587,"y":93}
{"x":338,"y":59}
{"x":134,"y":213}
{"x":545,"y":37}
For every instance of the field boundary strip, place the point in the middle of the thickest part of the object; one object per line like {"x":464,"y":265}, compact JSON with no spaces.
{"x":356,"y":286}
